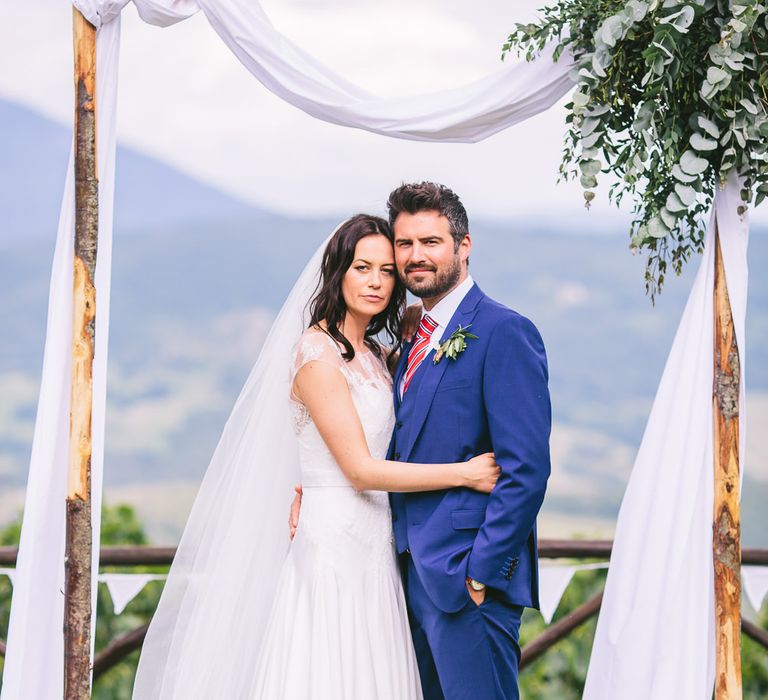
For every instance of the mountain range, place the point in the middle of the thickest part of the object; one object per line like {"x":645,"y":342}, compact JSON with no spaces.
{"x":198,"y":276}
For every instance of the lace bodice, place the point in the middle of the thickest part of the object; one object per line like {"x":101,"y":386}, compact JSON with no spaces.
{"x":371,"y":388}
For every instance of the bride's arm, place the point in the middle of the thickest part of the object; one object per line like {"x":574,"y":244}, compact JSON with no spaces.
{"x":325,"y":393}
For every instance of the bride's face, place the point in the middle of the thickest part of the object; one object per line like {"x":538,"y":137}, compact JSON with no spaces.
{"x":368,"y":283}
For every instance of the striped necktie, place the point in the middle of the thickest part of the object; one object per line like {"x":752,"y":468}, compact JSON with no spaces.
{"x":419,"y":350}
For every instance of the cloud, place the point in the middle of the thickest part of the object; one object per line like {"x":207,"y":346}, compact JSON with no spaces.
{"x":18,"y":400}
{"x":149,"y":424}
{"x":150,"y":406}
{"x":757,"y":444}
{"x":8,"y":465}
{"x":588,"y":463}
{"x":569,"y":295}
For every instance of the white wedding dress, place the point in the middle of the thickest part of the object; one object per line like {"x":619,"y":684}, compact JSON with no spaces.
{"x":338,"y":628}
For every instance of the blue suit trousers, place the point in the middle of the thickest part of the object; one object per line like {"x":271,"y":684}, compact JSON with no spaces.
{"x":472,"y":654}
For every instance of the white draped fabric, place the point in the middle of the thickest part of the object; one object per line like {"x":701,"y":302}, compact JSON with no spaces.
{"x":661,"y":573}
{"x":35,"y":639}
{"x":468,"y":113}
{"x":655,"y":633}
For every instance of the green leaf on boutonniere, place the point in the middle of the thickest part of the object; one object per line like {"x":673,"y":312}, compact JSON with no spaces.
{"x":455,"y":345}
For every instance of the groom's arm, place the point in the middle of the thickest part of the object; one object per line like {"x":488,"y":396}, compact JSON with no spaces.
{"x":293,"y":516}
{"x":517,"y":404}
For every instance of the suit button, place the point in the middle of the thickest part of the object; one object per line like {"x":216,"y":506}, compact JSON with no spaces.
{"x":397,"y":455}
{"x":399,"y":424}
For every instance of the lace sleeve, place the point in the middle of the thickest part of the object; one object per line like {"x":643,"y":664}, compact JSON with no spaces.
{"x":316,"y":346}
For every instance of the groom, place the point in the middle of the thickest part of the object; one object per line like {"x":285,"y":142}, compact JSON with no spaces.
{"x":469,"y":560}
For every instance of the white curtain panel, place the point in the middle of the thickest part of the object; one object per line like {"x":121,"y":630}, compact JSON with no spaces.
{"x":655,"y":633}
{"x":35,"y":639}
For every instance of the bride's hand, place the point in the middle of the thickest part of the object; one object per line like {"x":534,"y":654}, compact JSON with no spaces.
{"x":481,"y":473}
{"x":411,"y":321}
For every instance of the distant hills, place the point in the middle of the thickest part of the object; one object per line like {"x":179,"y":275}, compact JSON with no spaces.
{"x":149,"y":194}
{"x":198,"y":276}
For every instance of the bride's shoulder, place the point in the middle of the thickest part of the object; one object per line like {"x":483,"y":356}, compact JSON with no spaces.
{"x":315,"y":344}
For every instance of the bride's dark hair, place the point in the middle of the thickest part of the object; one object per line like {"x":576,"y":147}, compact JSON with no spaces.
{"x":328,"y":303}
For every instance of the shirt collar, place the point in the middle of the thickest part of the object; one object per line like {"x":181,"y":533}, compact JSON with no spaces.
{"x":442,"y":312}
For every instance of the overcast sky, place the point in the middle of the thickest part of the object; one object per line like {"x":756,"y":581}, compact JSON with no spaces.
{"x":184,"y":98}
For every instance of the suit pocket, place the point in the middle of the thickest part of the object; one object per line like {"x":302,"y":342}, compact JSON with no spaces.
{"x":468,"y":519}
{"x":452,"y":384}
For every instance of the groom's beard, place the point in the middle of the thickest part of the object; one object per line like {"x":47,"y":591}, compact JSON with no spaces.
{"x":443,"y":281}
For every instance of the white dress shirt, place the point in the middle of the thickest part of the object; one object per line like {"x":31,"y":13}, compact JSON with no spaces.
{"x":441,"y":313}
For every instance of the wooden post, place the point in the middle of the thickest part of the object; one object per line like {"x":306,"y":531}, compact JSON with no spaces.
{"x":727,"y":519}
{"x":79,"y":544}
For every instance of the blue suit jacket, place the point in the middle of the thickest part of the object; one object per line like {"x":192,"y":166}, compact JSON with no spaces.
{"x":492,"y":397}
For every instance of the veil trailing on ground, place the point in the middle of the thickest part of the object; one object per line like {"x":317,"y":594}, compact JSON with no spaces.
{"x":205,"y":635}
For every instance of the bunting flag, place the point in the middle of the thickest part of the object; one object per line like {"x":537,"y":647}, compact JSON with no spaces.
{"x":553,"y":580}
{"x":123,"y":588}
{"x":755,"y":580}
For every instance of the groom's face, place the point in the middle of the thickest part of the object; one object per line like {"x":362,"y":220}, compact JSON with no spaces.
{"x":428,"y":260}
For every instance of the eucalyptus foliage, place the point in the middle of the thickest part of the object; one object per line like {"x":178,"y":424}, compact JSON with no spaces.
{"x":670,"y":98}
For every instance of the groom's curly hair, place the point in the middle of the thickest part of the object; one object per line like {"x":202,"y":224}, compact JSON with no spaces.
{"x":415,"y":197}
{"x":328,"y":303}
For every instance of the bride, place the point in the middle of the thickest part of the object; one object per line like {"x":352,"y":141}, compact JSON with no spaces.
{"x":245,"y":612}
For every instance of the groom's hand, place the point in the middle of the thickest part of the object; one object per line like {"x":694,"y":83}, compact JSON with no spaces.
{"x":293,"y":518}
{"x":477,"y":596}
{"x":410,"y":323}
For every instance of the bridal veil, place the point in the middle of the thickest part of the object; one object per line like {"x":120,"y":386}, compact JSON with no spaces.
{"x":205,"y":635}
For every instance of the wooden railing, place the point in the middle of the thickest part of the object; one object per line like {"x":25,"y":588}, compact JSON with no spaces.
{"x":123,"y":645}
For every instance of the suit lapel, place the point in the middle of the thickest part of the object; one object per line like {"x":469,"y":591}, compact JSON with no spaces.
{"x":433,"y":373}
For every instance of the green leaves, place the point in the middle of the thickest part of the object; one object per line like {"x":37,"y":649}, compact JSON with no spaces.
{"x":701,"y":143}
{"x":680,"y":20}
{"x":611,"y":30}
{"x":590,"y":167}
{"x":717,"y":79}
{"x":455,"y":345}
{"x":686,"y":194}
{"x":671,"y":97}
{"x":692,"y":164}
{"x":709,"y":127}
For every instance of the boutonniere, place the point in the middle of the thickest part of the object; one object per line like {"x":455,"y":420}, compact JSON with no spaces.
{"x":455,"y":345}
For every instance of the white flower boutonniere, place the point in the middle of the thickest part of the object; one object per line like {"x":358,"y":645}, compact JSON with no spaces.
{"x":455,"y":345}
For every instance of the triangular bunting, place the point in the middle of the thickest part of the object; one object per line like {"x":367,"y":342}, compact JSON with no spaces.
{"x":123,"y":588}
{"x":553,"y":580}
{"x":755,"y":580}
